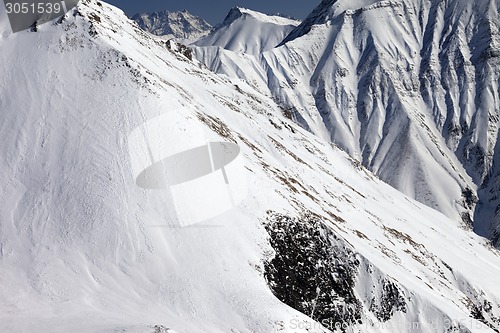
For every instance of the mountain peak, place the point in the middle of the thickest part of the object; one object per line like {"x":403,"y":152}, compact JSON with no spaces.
{"x":248,"y":31}
{"x":239,"y":12}
{"x":325,"y":12}
{"x":232,"y":16}
{"x":180,"y":24}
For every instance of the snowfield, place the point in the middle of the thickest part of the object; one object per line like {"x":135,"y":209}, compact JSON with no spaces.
{"x":318,"y":238}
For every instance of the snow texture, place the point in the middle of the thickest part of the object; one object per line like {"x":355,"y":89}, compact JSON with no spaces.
{"x":83,"y":248}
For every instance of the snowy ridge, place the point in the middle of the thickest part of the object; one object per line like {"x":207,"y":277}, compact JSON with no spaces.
{"x":182,"y":25}
{"x":79,"y":239}
{"x":326,"y":11}
{"x":279,"y":20}
{"x":409,"y":88}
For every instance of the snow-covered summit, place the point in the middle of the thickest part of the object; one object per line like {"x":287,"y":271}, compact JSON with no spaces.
{"x":237,"y":12}
{"x":326,"y":11}
{"x":247,"y":31}
{"x":181,"y":25}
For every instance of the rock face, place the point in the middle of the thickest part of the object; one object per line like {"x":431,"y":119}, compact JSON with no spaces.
{"x":182,"y":25}
{"x":318,"y":272}
{"x":409,"y":88}
{"x":312,"y":270}
{"x":315,"y":271}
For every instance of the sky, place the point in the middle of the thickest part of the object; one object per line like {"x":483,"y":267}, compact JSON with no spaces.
{"x":215,"y":11}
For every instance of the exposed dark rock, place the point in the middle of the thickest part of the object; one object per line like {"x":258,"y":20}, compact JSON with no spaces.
{"x":391,"y":301}
{"x":470,"y":198}
{"x":312,"y":271}
{"x":179,"y":48}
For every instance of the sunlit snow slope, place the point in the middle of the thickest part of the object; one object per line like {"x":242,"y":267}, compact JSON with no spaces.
{"x":409,"y":88}
{"x":84,"y":249}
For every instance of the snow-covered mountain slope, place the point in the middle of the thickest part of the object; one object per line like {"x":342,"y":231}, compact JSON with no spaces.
{"x":181,"y":25}
{"x":242,"y":25}
{"x":83,"y":248}
{"x":409,"y":88}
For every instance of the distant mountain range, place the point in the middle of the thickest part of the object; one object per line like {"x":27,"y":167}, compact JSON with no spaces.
{"x":182,"y":25}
